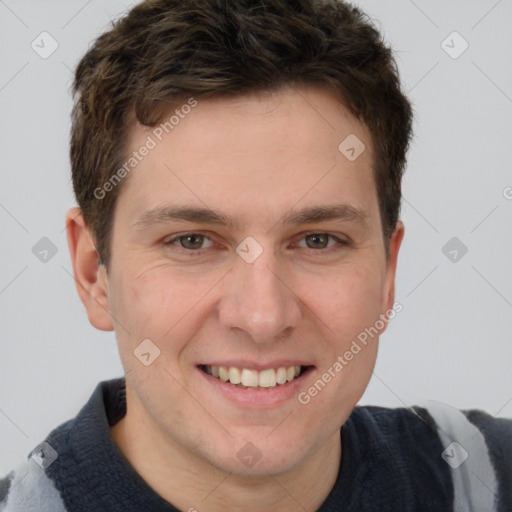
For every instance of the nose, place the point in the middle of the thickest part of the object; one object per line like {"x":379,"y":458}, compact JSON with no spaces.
{"x":258,"y":299}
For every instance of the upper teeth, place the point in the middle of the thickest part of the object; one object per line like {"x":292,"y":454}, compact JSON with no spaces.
{"x":253,"y":378}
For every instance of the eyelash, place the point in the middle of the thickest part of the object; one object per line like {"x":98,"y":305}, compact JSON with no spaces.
{"x":197,"y":252}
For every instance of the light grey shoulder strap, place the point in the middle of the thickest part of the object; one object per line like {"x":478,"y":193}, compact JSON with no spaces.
{"x":466,"y":452}
{"x":31,"y":490}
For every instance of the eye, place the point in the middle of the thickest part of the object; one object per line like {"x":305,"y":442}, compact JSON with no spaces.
{"x":317,"y":241}
{"x":189,"y":241}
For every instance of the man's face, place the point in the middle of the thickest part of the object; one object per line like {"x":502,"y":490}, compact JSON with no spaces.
{"x":211,"y":299}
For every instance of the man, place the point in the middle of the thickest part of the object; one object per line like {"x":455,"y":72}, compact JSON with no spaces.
{"x":237,"y":167}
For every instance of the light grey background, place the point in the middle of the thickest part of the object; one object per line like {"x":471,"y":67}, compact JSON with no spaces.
{"x":451,"y":342}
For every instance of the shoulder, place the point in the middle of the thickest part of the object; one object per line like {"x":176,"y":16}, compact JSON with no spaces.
{"x":404,"y":440}
{"x":28,"y":488}
{"x":478,"y":448}
{"x":403,"y":431}
{"x":45,"y":479}
{"x":433,"y":417}
{"x":471,"y":446}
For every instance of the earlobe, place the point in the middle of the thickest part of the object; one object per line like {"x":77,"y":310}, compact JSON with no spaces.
{"x":90,"y":276}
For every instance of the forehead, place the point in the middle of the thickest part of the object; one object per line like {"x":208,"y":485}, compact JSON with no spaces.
{"x":259,"y":153}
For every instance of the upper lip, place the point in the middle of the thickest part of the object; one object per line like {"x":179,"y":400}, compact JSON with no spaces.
{"x":254,"y":365}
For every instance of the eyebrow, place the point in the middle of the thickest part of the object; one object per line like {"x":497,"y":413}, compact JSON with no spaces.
{"x":200,"y":215}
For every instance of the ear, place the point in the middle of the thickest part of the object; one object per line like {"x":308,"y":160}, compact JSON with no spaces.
{"x":90,"y":276}
{"x":395,"y":241}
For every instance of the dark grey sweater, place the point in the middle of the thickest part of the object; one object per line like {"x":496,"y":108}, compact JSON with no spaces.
{"x":430,"y":458}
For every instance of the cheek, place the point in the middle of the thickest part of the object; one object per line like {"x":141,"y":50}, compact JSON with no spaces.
{"x":349,"y":301}
{"x":161,"y":304}
{"x":138,"y":302}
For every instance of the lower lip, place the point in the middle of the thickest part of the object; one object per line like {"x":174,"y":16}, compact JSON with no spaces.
{"x":257,"y":398}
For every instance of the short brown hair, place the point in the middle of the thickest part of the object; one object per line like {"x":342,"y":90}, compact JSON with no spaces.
{"x":165,"y":50}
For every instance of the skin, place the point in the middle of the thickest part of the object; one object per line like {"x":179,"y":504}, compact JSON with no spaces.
{"x":254,"y":158}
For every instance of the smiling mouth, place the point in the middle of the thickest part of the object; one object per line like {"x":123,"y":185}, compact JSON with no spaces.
{"x":253,"y":379}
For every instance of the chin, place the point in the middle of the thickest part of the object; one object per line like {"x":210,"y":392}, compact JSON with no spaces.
{"x":258,"y":456}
